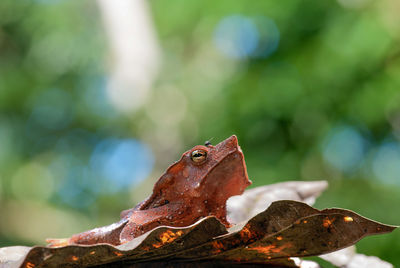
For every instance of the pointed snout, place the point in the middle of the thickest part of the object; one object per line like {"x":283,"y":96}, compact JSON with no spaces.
{"x":230,"y":143}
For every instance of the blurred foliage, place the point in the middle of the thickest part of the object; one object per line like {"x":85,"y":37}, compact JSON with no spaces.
{"x":310,"y":88}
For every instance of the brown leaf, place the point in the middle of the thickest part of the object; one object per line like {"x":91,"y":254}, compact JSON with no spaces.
{"x":285,"y":229}
{"x":288,"y":229}
{"x":158,"y":243}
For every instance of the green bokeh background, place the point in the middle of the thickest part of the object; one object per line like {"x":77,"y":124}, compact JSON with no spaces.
{"x":335,"y":70}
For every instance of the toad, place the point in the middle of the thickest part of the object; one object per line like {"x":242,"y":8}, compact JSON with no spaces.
{"x":196,"y":186}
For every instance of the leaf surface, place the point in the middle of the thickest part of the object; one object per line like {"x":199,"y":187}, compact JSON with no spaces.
{"x":272,"y":237}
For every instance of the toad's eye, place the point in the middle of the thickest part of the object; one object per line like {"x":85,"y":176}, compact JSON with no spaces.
{"x":198,"y":156}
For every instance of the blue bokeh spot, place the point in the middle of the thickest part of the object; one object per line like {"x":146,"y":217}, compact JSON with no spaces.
{"x":386,"y":163}
{"x":344,"y":148}
{"x":121,"y":162}
{"x":236,"y":36}
{"x":241,"y":37}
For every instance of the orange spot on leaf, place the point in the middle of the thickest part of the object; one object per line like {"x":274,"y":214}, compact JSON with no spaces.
{"x":327,"y":222}
{"x":279,"y":238}
{"x":157,"y":245}
{"x":119,"y":254}
{"x":167,"y":237}
{"x":305,"y":221}
{"x":217,"y":244}
{"x":271,"y":248}
{"x":348,"y":219}
{"x":245,"y":233}
{"x":74,"y":258}
{"x":266,"y":249}
{"x":29,"y":265}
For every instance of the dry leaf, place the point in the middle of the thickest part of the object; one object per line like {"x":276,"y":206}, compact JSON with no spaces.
{"x":285,"y":229}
